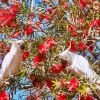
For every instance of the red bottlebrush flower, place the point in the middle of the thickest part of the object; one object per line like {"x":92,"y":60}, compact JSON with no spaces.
{"x":25,"y":55}
{"x":88,"y":97}
{"x":91,"y":48}
{"x":48,"y":17}
{"x":57,"y":68}
{"x":32,"y":77}
{"x":49,"y":83}
{"x":49,"y":11}
{"x":72,"y":28}
{"x":31,"y":16}
{"x":4,"y":1}
{"x":65,"y":5}
{"x":83,"y":3}
{"x":73,"y":46}
{"x":80,"y":20}
{"x":2,"y":45}
{"x":45,"y":1}
{"x":29,"y":30}
{"x":38,"y":58}
{"x":62,"y":97}
{"x":37,"y":83}
{"x":41,"y":16}
{"x":63,"y":83}
{"x":74,"y":34}
{"x":49,"y":43}
{"x":30,"y":98}
{"x":73,"y":84}
{"x":13,"y":25}
{"x":42,"y":48}
{"x":9,"y":19}
{"x":15,"y":35}
{"x":4,"y":95}
{"x":95,"y":22}
{"x":81,"y":46}
{"x":44,"y":17}
{"x":14,"y":9}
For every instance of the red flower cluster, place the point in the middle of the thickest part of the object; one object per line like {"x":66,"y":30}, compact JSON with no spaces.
{"x":49,"y":10}
{"x":49,"y":83}
{"x":2,"y":45}
{"x":38,"y":58}
{"x":45,"y":1}
{"x":81,"y":46}
{"x":72,"y":30}
{"x":7,"y":19}
{"x":37,"y":83}
{"x":4,"y":95}
{"x":42,"y":48}
{"x":65,"y":5}
{"x":14,"y":9}
{"x":29,"y":30}
{"x":8,"y":16}
{"x":30,"y":98}
{"x":74,"y":47}
{"x":44,"y":17}
{"x":32,"y":77}
{"x":25,"y":55}
{"x":88,"y":97}
{"x":73,"y":84}
{"x":91,"y":48}
{"x":4,"y":1}
{"x":63,"y":83}
{"x":95,"y":22}
{"x":49,"y":43}
{"x":62,"y":97}
{"x":13,"y":25}
{"x":83,"y":3}
{"x":16,"y":34}
{"x":31,"y":16}
{"x":57,"y":68}
{"x":80,"y":20}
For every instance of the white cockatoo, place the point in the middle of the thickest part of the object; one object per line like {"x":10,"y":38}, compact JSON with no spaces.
{"x":79,"y":65}
{"x":12,"y":61}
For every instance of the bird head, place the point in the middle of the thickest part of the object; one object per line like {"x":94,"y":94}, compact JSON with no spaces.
{"x":18,"y":46}
{"x":66,"y":56}
{"x":21,"y":44}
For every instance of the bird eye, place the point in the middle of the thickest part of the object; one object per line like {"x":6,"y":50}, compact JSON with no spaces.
{"x":66,"y":57}
{"x":22,"y":47}
{"x":64,"y":62}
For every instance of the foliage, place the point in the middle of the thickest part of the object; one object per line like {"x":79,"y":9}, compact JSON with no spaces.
{"x":47,"y":30}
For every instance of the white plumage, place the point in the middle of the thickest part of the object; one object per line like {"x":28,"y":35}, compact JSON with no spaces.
{"x":80,"y":65}
{"x":12,"y":61}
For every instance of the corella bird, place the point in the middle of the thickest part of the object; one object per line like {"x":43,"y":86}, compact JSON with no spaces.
{"x":12,"y":61}
{"x":79,"y":65}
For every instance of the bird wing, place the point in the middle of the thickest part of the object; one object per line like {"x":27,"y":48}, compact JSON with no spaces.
{"x":82,"y":65}
{"x":6,"y":64}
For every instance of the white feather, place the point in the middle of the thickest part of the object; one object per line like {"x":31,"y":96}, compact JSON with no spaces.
{"x":12,"y":61}
{"x":79,"y":64}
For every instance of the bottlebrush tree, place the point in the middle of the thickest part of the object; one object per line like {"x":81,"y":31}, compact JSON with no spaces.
{"x":47,"y":30}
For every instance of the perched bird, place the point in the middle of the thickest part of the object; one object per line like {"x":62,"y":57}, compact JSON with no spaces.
{"x":79,"y":65}
{"x":12,"y":61}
